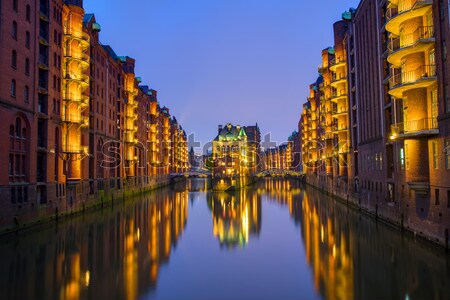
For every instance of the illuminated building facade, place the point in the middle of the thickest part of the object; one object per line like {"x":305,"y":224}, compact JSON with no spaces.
{"x":383,"y":132}
{"x":79,"y":126}
{"x":233,"y":154}
{"x":280,"y":157}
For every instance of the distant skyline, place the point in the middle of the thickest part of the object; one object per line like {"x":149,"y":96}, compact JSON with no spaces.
{"x":219,"y":61}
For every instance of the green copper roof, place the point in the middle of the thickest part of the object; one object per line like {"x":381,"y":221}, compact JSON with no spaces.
{"x":331,"y":50}
{"x":96,"y":26}
{"x":347,"y":16}
{"x":242,"y":132}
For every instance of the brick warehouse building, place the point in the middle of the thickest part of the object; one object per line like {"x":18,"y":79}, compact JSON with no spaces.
{"x":78,"y":127}
{"x":394,"y":160}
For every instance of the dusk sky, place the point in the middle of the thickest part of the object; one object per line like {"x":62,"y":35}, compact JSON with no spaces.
{"x":219,"y":61}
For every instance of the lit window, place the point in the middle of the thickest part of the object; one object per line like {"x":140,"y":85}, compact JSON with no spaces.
{"x":447,"y":154}
{"x":435,"y":155}
{"x":402,"y":158}
{"x":381,"y":161}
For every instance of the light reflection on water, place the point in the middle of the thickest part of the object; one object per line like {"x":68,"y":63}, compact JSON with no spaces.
{"x":277,"y":240}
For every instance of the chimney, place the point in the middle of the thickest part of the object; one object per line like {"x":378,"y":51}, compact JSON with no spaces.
{"x":220,"y":128}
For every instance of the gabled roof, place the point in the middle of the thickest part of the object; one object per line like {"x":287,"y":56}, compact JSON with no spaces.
{"x":230,"y":132}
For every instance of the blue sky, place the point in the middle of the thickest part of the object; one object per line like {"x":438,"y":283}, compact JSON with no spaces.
{"x":219,"y":61}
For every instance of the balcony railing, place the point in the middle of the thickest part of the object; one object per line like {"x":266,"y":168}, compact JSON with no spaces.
{"x":415,"y":126}
{"x":129,"y":137}
{"x":79,"y":35}
{"x":407,"y":40}
{"x":338,"y":94}
{"x":77,"y":119}
{"x":422,"y":72}
{"x":82,"y":78}
{"x":337,"y":60}
{"x":81,"y":99}
{"x":68,"y":148}
{"x":341,"y":110}
{"x":404,"y":7}
{"x":338,"y":78}
{"x":77,"y":55}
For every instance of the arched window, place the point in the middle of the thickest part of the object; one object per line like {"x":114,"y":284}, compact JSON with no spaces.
{"x":27,"y":39}
{"x":18,"y":127}
{"x":28,"y":13}
{"x":18,"y":153}
{"x":26,"y":94}
{"x":27,"y":66}
{"x":16,"y":5}
{"x":55,"y":37}
{"x":13,"y":88}
{"x":100,"y":167}
{"x":14,"y":59}
{"x":57,"y":143}
{"x":14,"y":30}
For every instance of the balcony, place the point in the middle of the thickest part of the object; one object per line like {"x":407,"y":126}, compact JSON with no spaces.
{"x":418,"y":41}
{"x":43,"y":62}
{"x":82,"y":100}
{"x":71,"y":149}
{"x":128,"y":137}
{"x":337,"y":62}
{"x":338,"y":129}
{"x":81,"y":79}
{"x":83,"y":121}
{"x":81,"y":37}
{"x":395,"y":16}
{"x":335,"y":96}
{"x":421,"y":77}
{"x":339,"y":111}
{"x":130,"y":113}
{"x":338,"y":79}
{"x":417,"y":128}
{"x":79,"y":57}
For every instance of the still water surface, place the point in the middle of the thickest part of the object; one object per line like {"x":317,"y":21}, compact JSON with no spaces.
{"x":277,"y":240}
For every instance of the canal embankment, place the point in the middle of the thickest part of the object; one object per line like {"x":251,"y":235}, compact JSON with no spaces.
{"x":37,"y":214}
{"x":395,"y":214}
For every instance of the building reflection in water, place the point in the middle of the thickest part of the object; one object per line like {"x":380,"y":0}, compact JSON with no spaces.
{"x":119,"y":251}
{"x":236,"y":216}
{"x":327,"y":245}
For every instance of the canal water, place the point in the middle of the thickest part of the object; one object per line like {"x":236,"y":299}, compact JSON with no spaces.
{"x":276,"y":240}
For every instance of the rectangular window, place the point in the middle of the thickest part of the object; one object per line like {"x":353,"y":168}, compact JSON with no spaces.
{"x":13,"y":195}
{"x":448,"y":198}
{"x":447,"y":154}
{"x":436,"y":197}
{"x":435,"y":155}
{"x":402,"y":158}
{"x":434,"y":104}
{"x":381,"y":161}
{"x":406,"y":157}
{"x":447,"y":98}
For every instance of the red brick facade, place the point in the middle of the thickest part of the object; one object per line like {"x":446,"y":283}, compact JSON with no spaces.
{"x":78,"y":127}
